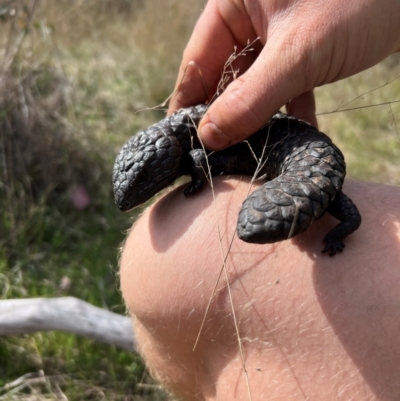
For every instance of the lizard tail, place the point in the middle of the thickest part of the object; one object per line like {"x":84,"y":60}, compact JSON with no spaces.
{"x":284,"y":207}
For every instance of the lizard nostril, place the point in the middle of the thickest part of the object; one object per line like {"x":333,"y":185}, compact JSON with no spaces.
{"x":126,"y":205}
{"x":142,"y":179}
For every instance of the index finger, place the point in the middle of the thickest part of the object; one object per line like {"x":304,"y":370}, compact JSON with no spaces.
{"x":211,"y":44}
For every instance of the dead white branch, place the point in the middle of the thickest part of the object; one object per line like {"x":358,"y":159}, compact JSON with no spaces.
{"x":68,"y":314}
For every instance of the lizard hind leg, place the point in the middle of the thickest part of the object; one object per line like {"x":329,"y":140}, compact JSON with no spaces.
{"x":343,"y":209}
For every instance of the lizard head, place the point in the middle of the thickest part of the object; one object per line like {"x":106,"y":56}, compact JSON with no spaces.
{"x":146,"y":164}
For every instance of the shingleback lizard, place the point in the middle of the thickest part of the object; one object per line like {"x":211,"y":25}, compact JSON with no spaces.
{"x":304,"y":169}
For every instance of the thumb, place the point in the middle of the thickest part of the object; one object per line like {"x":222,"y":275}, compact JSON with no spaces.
{"x":249,"y":101}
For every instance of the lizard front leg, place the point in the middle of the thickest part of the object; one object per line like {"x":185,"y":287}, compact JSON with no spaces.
{"x":198,"y":171}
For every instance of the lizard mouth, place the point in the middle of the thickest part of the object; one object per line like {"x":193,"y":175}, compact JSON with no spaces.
{"x":146,"y":193}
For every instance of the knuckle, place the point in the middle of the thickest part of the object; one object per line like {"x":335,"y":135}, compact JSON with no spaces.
{"x":241,"y":115}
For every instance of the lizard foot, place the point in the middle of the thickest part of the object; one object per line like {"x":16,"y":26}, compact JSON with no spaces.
{"x":194,"y":187}
{"x":332,"y":247}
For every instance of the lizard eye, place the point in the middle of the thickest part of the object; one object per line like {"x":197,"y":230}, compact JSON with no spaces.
{"x":142,"y":179}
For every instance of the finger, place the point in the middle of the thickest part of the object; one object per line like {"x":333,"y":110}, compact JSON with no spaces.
{"x":303,"y":107}
{"x":278,"y":75}
{"x":203,"y":61}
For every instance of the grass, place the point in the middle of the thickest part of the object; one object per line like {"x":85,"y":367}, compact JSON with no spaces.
{"x":368,"y":136}
{"x":68,"y":100}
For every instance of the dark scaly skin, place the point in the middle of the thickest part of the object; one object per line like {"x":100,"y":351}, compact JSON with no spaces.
{"x":304,"y":169}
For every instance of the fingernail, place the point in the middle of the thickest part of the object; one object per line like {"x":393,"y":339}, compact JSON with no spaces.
{"x":213,"y":138}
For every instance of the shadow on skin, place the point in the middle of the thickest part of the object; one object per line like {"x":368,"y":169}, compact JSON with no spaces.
{"x":361,"y":299}
{"x":165,"y":214}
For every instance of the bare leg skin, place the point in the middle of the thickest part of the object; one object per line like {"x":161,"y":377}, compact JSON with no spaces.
{"x":311,"y":327}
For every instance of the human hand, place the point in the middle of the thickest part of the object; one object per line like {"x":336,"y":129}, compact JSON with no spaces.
{"x":303,"y":44}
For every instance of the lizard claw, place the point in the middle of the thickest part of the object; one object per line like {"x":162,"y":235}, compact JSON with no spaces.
{"x":194,"y":187}
{"x":332,"y":247}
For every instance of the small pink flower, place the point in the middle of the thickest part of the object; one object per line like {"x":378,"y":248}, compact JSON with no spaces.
{"x":79,"y":196}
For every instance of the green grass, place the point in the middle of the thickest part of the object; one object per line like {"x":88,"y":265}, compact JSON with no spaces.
{"x":369,"y":136}
{"x":60,"y":242}
{"x":86,"y":69}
